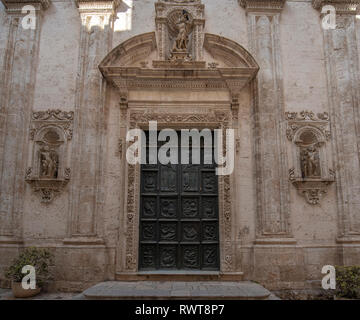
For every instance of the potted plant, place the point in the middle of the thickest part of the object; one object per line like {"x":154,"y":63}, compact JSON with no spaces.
{"x":40,"y":259}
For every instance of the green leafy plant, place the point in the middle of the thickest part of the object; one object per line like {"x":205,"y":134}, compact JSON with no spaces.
{"x":40,"y":259}
{"x":348,"y":282}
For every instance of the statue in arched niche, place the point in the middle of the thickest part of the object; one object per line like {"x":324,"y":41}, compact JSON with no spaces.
{"x":310,"y":162}
{"x":181,"y":41}
{"x":49,"y":163}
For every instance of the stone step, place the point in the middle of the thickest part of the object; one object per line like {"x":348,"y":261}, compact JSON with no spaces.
{"x":176,"y":290}
{"x":180,"y":276}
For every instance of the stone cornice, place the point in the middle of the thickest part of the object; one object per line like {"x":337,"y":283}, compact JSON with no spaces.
{"x":94,"y":6}
{"x":16,"y":6}
{"x":262,"y":5}
{"x":341,"y":6}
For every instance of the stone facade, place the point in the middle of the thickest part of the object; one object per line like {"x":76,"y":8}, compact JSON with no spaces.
{"x":90,"y":70}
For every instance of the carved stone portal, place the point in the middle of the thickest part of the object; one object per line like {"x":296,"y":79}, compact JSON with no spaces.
{"x":48,"y":171}
{"x":310,"y":172}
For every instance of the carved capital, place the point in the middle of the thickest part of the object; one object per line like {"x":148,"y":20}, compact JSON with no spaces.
{"x":262,"y":5}
{"x":16,"y":6}
{"x":341,"y":6}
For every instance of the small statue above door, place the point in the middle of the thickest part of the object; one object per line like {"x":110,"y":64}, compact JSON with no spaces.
{"x":182,"y":39}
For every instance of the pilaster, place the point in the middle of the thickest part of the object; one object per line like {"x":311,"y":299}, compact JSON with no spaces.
{"x":342,"y":69}
{"x":87,"y":195}
{"x":272,"y":186}
{"x":16,"y":102}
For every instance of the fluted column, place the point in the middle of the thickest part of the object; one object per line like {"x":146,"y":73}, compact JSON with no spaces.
{"x":273,"y":209}
{"x":87,"y":190}
{"x":16,"y":102}
{"x":342,"y":68}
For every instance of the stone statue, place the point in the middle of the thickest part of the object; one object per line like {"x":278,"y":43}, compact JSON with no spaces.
{"x":310,"y":162}
{"x":48,"y":163}
{"x":181,"y":42}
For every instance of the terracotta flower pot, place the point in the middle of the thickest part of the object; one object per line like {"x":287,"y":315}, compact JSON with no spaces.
{"x":19,"y":292}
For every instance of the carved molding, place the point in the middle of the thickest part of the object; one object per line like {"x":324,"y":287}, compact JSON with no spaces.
{"x":307,"y":118}
{"x":310,"y":172}
{"x":97,"y":5}
{"x":242,"y":68}
{"x":215,"y":119}
{"x":341,"y":6}
{"x":49,"y":171}
{"x":262,"y":5}
{"x":55,"y":117}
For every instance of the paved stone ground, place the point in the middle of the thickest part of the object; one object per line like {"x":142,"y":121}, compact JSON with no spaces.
{"x":6,"y":294}
{"x":117,"y":290}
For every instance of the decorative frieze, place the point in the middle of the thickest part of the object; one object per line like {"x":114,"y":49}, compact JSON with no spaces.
{"x":310,"y":171}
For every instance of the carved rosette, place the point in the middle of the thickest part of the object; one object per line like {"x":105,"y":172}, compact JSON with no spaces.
{"x":213,"y":119}
{"x":48,"y":171}
{"x":310,"y":172}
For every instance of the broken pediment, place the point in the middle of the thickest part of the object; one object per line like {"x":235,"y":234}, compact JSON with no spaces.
{"x":179,"y":55}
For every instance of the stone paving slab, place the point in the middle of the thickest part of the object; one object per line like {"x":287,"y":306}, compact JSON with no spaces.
{"x":122,"y":290}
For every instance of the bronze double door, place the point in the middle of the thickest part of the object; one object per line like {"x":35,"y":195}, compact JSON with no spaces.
{"x":179,"y":216}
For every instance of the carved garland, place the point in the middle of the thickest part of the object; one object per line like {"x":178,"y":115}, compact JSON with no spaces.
{"x":138,"y":119}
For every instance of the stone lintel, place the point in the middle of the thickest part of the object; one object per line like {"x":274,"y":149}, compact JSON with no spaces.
{"x":341,"y":6}
{"x":272,"y":6}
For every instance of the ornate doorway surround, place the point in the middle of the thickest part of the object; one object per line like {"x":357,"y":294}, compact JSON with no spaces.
{"x":175,"y":77}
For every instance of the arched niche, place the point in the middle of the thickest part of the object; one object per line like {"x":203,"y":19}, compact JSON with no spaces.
{"x":49,"y":152}
{"x":310,"y":170}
